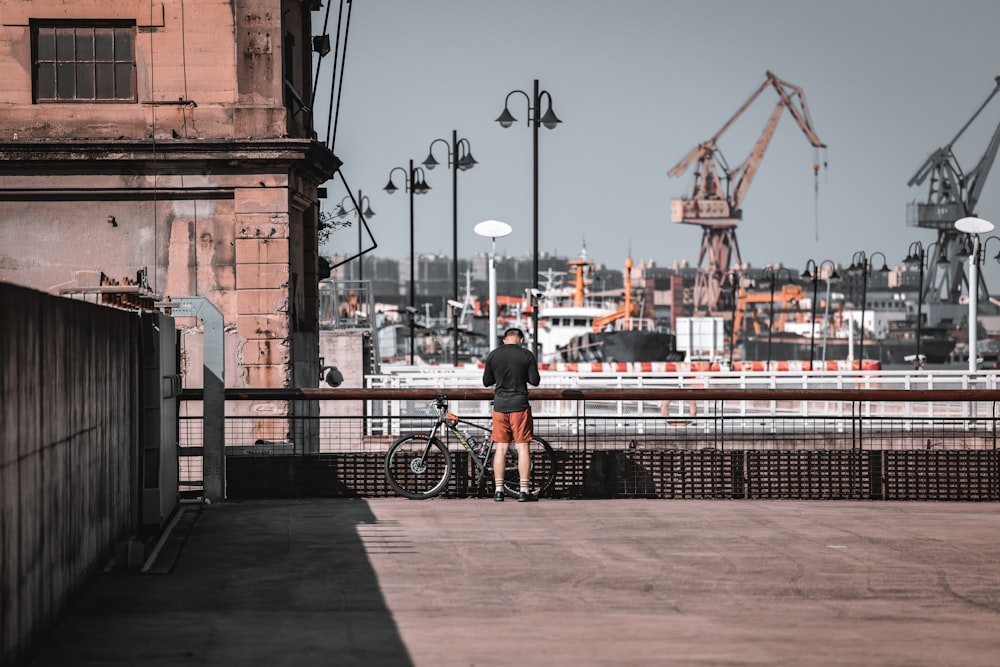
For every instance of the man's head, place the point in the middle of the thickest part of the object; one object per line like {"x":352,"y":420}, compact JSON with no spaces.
{"x":513,"y":336}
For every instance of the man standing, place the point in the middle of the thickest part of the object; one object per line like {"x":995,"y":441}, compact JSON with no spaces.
{"x":512,"y":368}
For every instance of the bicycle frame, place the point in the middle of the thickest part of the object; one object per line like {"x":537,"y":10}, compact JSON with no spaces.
{"x":450,"y":421}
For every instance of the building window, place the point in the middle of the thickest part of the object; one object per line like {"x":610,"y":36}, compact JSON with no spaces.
{"x":84,"y":63}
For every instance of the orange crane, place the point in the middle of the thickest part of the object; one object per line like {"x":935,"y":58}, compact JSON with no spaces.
{"x":624,"y":313}
{"x":788,"y":301}
{"x":717,"y":198}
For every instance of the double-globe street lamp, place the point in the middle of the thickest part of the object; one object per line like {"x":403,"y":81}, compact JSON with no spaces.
{"x":361,"y":207}
{"x":861,"y":263}
{"x":813,"y":275}
{"x":771,"y":275}
{"x":917,"y":254}
{"x":535,"y":120}
{"x":459,"y":159}
{"x":415,"y":184}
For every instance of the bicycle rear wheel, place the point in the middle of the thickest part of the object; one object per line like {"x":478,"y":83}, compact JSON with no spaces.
{"x":544,"y":466}
{"x":416,"y":468}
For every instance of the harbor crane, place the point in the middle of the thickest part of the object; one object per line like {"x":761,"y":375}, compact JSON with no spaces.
{"x":717,"y":198}
{"x":952,"y":194}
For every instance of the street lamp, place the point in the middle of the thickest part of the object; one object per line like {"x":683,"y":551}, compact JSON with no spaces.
{"x":550,"y":121}
{"x":361,"y":207}
{"x":770,"y":275}
{"x":860,"y":262}
{"x":459,"y":158}
{"x":814,"y":276}
{"x":974,"y":227}
{"x":414,"y":183}
{"x":917,"y":254}
{"x":493,"y":229}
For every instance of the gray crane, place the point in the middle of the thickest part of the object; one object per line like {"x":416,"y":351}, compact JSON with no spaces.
{"x":952,"y":194}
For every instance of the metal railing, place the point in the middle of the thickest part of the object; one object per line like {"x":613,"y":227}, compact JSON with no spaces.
{"x":805,"y":434}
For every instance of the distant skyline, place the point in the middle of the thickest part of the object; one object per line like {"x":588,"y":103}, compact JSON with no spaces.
{"x":639,"y":83}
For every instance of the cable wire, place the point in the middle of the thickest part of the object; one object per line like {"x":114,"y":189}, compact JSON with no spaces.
{"x":340,"y":82}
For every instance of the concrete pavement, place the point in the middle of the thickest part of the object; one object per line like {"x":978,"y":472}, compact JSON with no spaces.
{"x":559,"y":582}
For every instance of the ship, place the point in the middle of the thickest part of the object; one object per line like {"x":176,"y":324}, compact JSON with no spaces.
{"x":937,"y":345}
{"x":576,"y":325}
{"x":789,"y":346}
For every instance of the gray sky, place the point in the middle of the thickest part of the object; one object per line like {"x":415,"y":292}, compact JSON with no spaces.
{"x":637,"y":84}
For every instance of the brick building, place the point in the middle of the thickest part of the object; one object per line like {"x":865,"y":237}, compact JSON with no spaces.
{"x":170,"y":140}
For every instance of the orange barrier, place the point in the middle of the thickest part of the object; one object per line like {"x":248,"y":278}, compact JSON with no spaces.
{"x":644,"y":367}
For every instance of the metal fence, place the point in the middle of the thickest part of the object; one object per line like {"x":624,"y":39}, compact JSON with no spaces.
{"x":882,"y":437}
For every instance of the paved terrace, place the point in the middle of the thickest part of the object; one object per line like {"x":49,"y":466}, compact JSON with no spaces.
{"x":560,"y":582}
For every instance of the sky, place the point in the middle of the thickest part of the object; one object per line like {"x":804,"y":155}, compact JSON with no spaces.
{"x":637,"y":85}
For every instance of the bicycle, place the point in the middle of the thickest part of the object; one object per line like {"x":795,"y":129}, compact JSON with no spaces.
{"x":419,"y":465}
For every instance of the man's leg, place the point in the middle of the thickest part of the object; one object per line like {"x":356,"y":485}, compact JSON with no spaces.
{"x":523,"y":463}
{"x":499,"y":468}
{"x":524,"y":471}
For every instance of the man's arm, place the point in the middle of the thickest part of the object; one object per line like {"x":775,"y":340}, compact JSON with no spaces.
{"x":488,"y":378}
{"x":534,"y":379}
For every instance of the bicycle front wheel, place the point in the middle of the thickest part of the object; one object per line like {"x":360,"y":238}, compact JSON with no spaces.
{"x":544,"y":466}
{"x":416,"y":467}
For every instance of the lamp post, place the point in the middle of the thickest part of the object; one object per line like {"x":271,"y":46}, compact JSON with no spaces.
{"x":974,"y":227}
{"x":414,"y":183}
{"x":770,"y":274}
{"x":493,"y":229}
{"x":535,"y":119}
{"x":459,"y":159}
{"x":860,"y":262}
{"x":814,"y":276}
{"x":917,"y":254}
{"x":361,"y":207}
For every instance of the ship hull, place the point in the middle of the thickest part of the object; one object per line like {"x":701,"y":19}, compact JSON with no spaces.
{"x":622,"y":346}
{"x":935,"y":350}
{"x":785,"y":348}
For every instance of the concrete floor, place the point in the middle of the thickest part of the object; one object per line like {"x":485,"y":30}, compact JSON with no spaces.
{"x":560,"y":582}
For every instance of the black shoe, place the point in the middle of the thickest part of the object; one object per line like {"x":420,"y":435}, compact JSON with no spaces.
{"x":525,"y":497}
{"x":498,"y":496}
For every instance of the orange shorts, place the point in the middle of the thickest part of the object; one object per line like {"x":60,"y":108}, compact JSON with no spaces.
{"x":513,"y":426}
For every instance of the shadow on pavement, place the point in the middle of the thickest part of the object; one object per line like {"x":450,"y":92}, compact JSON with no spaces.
{"x":258,"y":583}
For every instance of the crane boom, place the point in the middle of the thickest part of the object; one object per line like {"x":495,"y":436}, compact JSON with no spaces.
{"x":710,"y":200}
{"x":953,"y":193}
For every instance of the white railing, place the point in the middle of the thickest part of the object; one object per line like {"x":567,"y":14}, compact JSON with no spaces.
{"x":451,"y":377}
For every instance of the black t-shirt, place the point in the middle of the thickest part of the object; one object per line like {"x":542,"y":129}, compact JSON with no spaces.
{"x":511,"y":368}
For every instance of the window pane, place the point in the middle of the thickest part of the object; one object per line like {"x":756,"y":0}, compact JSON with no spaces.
{"x":123,"y":81}
{"x":46,"y":44}
{"x":85,"y":62}
{"x":65,"y":79}
{"x":64,"y":43}
{"x":104,"y":43}
{"x":105,"y":81}
{"x":123,"y":44}
{"x":85,"y":81}
{"x":84,"y":44}
{"x":46,"y":81}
